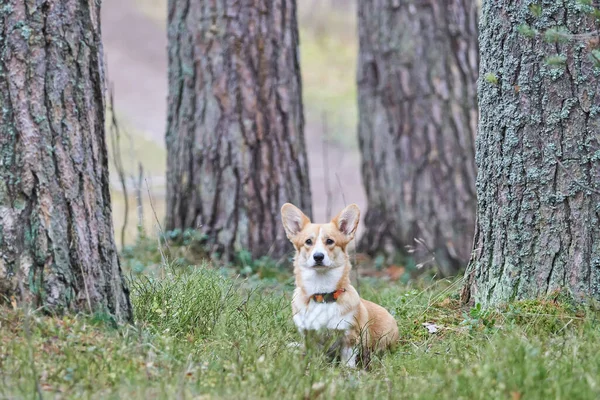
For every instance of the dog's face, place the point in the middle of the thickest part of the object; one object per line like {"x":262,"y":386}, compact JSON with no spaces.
{"x":320,"y":246}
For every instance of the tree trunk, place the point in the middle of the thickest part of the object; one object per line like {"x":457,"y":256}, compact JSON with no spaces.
{"x":418,"y":113}
{"x":538,"y":157}
{"x":235,"y":140}
{"x":56,"y":236}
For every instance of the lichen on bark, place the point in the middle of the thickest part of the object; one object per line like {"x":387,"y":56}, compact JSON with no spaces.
{"x":56,"y":238}
{"x":538,"y":227}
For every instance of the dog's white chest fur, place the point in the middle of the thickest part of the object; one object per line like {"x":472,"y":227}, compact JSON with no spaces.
{"x":316,"y":316}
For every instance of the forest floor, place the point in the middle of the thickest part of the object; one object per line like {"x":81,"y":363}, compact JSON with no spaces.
{"x":226,"y":333}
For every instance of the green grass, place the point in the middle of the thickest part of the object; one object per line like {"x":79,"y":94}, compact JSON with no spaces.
{"x":203,"y":333}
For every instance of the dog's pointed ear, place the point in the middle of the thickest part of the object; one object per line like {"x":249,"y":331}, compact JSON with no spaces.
{"x":293,"y":220}
{"x":347,"y":220}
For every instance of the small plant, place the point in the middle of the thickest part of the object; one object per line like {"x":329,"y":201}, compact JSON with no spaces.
{"x":478,"y":317}
{"x":527,"y":31}
{"x":595,"y":57}
{"x":491,"y":77}
{"x":173,"y":249}
{"x":188,"y":237}
{"x":189,"y":301}
{"x":557,"y":35}
{"x":263,"y":268}
{"x":535,"y":9}
{"x":556,"y":60}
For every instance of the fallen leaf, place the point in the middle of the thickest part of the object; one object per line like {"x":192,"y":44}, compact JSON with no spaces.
{"x":394,"y":272}
{"x":431,"y":328}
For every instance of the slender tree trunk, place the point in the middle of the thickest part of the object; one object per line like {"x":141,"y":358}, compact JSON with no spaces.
{"x":538,"y":155}
{"x":235,"y":140}
{"x":56,"y":234}
{"x":418,"y":112}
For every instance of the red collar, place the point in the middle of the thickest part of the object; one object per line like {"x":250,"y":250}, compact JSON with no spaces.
{"x":327,"y":297}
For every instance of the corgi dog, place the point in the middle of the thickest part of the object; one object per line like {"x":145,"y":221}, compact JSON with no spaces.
{"x":324,"y":299}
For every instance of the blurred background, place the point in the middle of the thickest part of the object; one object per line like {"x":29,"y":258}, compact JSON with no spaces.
{"x":135,"y":46}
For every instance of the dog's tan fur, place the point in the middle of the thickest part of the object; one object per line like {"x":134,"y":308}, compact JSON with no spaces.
{"x":372,"y":327}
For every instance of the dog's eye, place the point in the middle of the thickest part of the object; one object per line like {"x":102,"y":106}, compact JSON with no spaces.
{"x":308,"y":242}
{"x":329,"y":242}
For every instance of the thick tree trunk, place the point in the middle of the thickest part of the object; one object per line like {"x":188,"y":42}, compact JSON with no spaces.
{"x":56,"y":234}
{"x":538,"y":155}
{"x":235,"y":140}
{"x":418,"y":113}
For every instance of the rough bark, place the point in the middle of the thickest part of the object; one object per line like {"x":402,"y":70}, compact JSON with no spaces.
{"x":235,"y":140}
{"x":56,"y":237}
{"x":538,"y":157}
{"x":417,"y":78}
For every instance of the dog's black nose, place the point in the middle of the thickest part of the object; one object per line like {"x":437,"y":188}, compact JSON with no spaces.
{"x":319,"y":257}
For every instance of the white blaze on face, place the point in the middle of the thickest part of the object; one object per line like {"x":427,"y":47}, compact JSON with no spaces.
{"x":319,"y":248}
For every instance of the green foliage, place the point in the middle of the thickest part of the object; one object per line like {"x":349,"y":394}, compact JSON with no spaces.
{"x":547,"y":315}
{"x":189,"y":237}
{"x":589,"y":7}
{"x":556,"y":60}
{"x":187,"y":302}
{"x":135,"y":257}
{"x":557,"y":35}
{"x":491,"y":77}
{"x":199,"y":334}
{"x":173,"y":249}
{"x":560,"y":33}
{"x":595,"y":57}
{"x":263,"y":268}
{"x":536,"y":10}
{"x":478,"y":317}
{"x":527,"y":30}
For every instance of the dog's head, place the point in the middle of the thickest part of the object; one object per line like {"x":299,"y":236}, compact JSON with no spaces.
{"x":320,"y":245}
